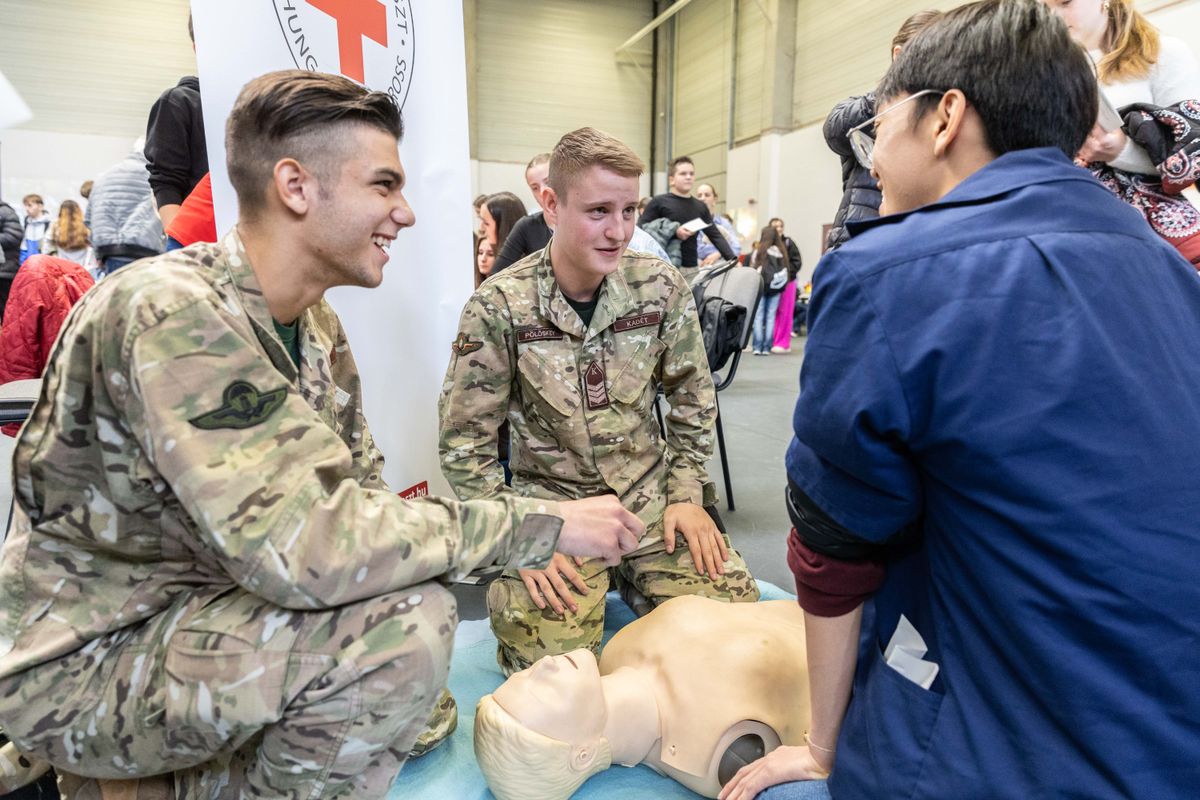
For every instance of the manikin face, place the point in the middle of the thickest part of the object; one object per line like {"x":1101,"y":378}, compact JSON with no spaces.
{"x":485,"y":257}
{"x":903,"y":159}
{"x":559,"y":696}
{"x":536,"y":178}
{"x":708,"y":196}
{"x":683,"y":178}
{"x":1086,"y":19}
{"x":593,"y":224}
{"x":351,"y":224}
{"x":487,"y":230}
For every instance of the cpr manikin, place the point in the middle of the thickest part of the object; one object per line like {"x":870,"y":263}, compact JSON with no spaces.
{"x":696,"y":689}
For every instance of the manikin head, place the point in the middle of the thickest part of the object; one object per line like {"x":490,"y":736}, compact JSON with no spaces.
{"x":541,"y":734}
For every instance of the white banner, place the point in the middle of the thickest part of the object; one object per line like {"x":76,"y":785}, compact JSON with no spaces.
{"x":401,"y":331}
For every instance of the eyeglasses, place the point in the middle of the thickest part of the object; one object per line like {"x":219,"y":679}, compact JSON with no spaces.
{"x":863,"y":143}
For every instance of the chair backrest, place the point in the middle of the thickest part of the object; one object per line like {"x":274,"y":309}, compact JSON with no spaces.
{"x":741,"y":286}
{"x":16,"y":401}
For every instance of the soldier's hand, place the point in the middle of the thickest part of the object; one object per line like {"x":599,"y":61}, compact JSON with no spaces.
{"x":705,"y":542}
{"x":547,"y":587}
{"x":598,"y":527}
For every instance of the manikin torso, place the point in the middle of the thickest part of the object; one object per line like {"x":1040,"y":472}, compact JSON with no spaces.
{"x":719,"y":672}
{"x":695,"y":689}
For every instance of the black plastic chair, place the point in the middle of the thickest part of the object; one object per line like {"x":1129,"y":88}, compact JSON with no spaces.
{"x":741,"y":286}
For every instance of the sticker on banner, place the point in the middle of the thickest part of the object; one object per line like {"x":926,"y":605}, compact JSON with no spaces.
{"x":369,"y":42}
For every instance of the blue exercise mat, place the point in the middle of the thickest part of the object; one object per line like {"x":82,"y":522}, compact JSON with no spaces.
{"x":451,"y":772}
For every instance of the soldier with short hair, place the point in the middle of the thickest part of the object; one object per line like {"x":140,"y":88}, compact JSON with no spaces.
{"x":207,"y":574}
{"x":570,"y":346}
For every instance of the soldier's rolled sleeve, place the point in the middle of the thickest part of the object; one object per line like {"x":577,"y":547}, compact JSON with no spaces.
{"x":474,"y":400}
{"x":277,"y":501}
{"x":688,"y":388}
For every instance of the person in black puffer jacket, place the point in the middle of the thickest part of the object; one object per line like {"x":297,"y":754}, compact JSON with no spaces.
{"x":860,"y":193}
{"x":11,"y":235}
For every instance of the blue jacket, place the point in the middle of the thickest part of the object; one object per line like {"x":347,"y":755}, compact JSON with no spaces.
{"x":1011,"y":374}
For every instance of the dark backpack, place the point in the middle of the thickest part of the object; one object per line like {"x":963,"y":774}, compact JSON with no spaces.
{"x":721,"y":324}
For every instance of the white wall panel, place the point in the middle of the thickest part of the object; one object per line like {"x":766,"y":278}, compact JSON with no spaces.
{"x":843,"y":49}
{"x":87,"y":67}
{"x":754,"y":32}
{"x":703,"y":53}
{"x":545,"y":68}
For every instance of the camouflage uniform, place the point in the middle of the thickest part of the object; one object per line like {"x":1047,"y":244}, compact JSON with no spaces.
{"x":580,"y":403}
{"x":207,"y":574}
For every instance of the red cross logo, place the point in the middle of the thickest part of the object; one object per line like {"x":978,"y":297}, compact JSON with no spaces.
{"x":356,"y":19}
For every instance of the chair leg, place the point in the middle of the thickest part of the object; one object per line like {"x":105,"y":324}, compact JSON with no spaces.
{"x":724,"y":460}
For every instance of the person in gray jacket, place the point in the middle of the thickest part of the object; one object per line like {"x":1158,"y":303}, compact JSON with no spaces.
{"x":121,"y":214}
{"x":860,"y":193}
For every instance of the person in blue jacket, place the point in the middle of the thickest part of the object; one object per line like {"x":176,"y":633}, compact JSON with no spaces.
{"x":998,"y":440}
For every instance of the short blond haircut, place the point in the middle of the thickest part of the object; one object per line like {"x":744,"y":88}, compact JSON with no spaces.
{"x":520,"y":763}
{"x":585,"y":148}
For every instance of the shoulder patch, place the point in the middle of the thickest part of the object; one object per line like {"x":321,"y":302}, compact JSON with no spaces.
{"x":464,"y":344}
{"x":637,"y":321}
{"x":242,"y":406}
{"x":537,"y":334}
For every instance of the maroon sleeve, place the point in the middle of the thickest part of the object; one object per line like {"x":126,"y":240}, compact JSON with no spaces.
{"x":828,"y":587}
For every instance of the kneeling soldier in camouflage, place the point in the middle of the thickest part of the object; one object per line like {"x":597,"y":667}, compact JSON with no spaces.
{"x":570,"y":346}
{"x":207,"y":575}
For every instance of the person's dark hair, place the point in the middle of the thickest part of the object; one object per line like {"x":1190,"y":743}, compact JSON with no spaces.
{"x":912,"y":26}
{"x":302,"y":115}
{"x":191,"y":30}
{"x":1017,"y":66}
{"x":767,"y":238}
{"x":675,"y":162}
{"x":479,"y":200}
{"x":85,"y":189}
{"x":505,"y":209}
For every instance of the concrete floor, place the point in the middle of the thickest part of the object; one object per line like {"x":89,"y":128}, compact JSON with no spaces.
{"x":757,"y":416}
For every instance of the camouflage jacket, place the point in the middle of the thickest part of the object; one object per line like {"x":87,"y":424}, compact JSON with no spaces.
{"x":175,"y":446}
{"x":580,"y":402}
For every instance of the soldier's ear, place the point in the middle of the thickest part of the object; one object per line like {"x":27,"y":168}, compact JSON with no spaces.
{"x":293,"y":185}
{"x":550,"y":204}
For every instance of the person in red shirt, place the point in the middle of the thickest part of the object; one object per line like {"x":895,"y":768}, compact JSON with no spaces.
{"x":195,"y":220}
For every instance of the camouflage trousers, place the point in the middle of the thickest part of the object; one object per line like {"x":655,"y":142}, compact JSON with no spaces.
{"x":241,"y":698}
{"x":645,"y":578}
